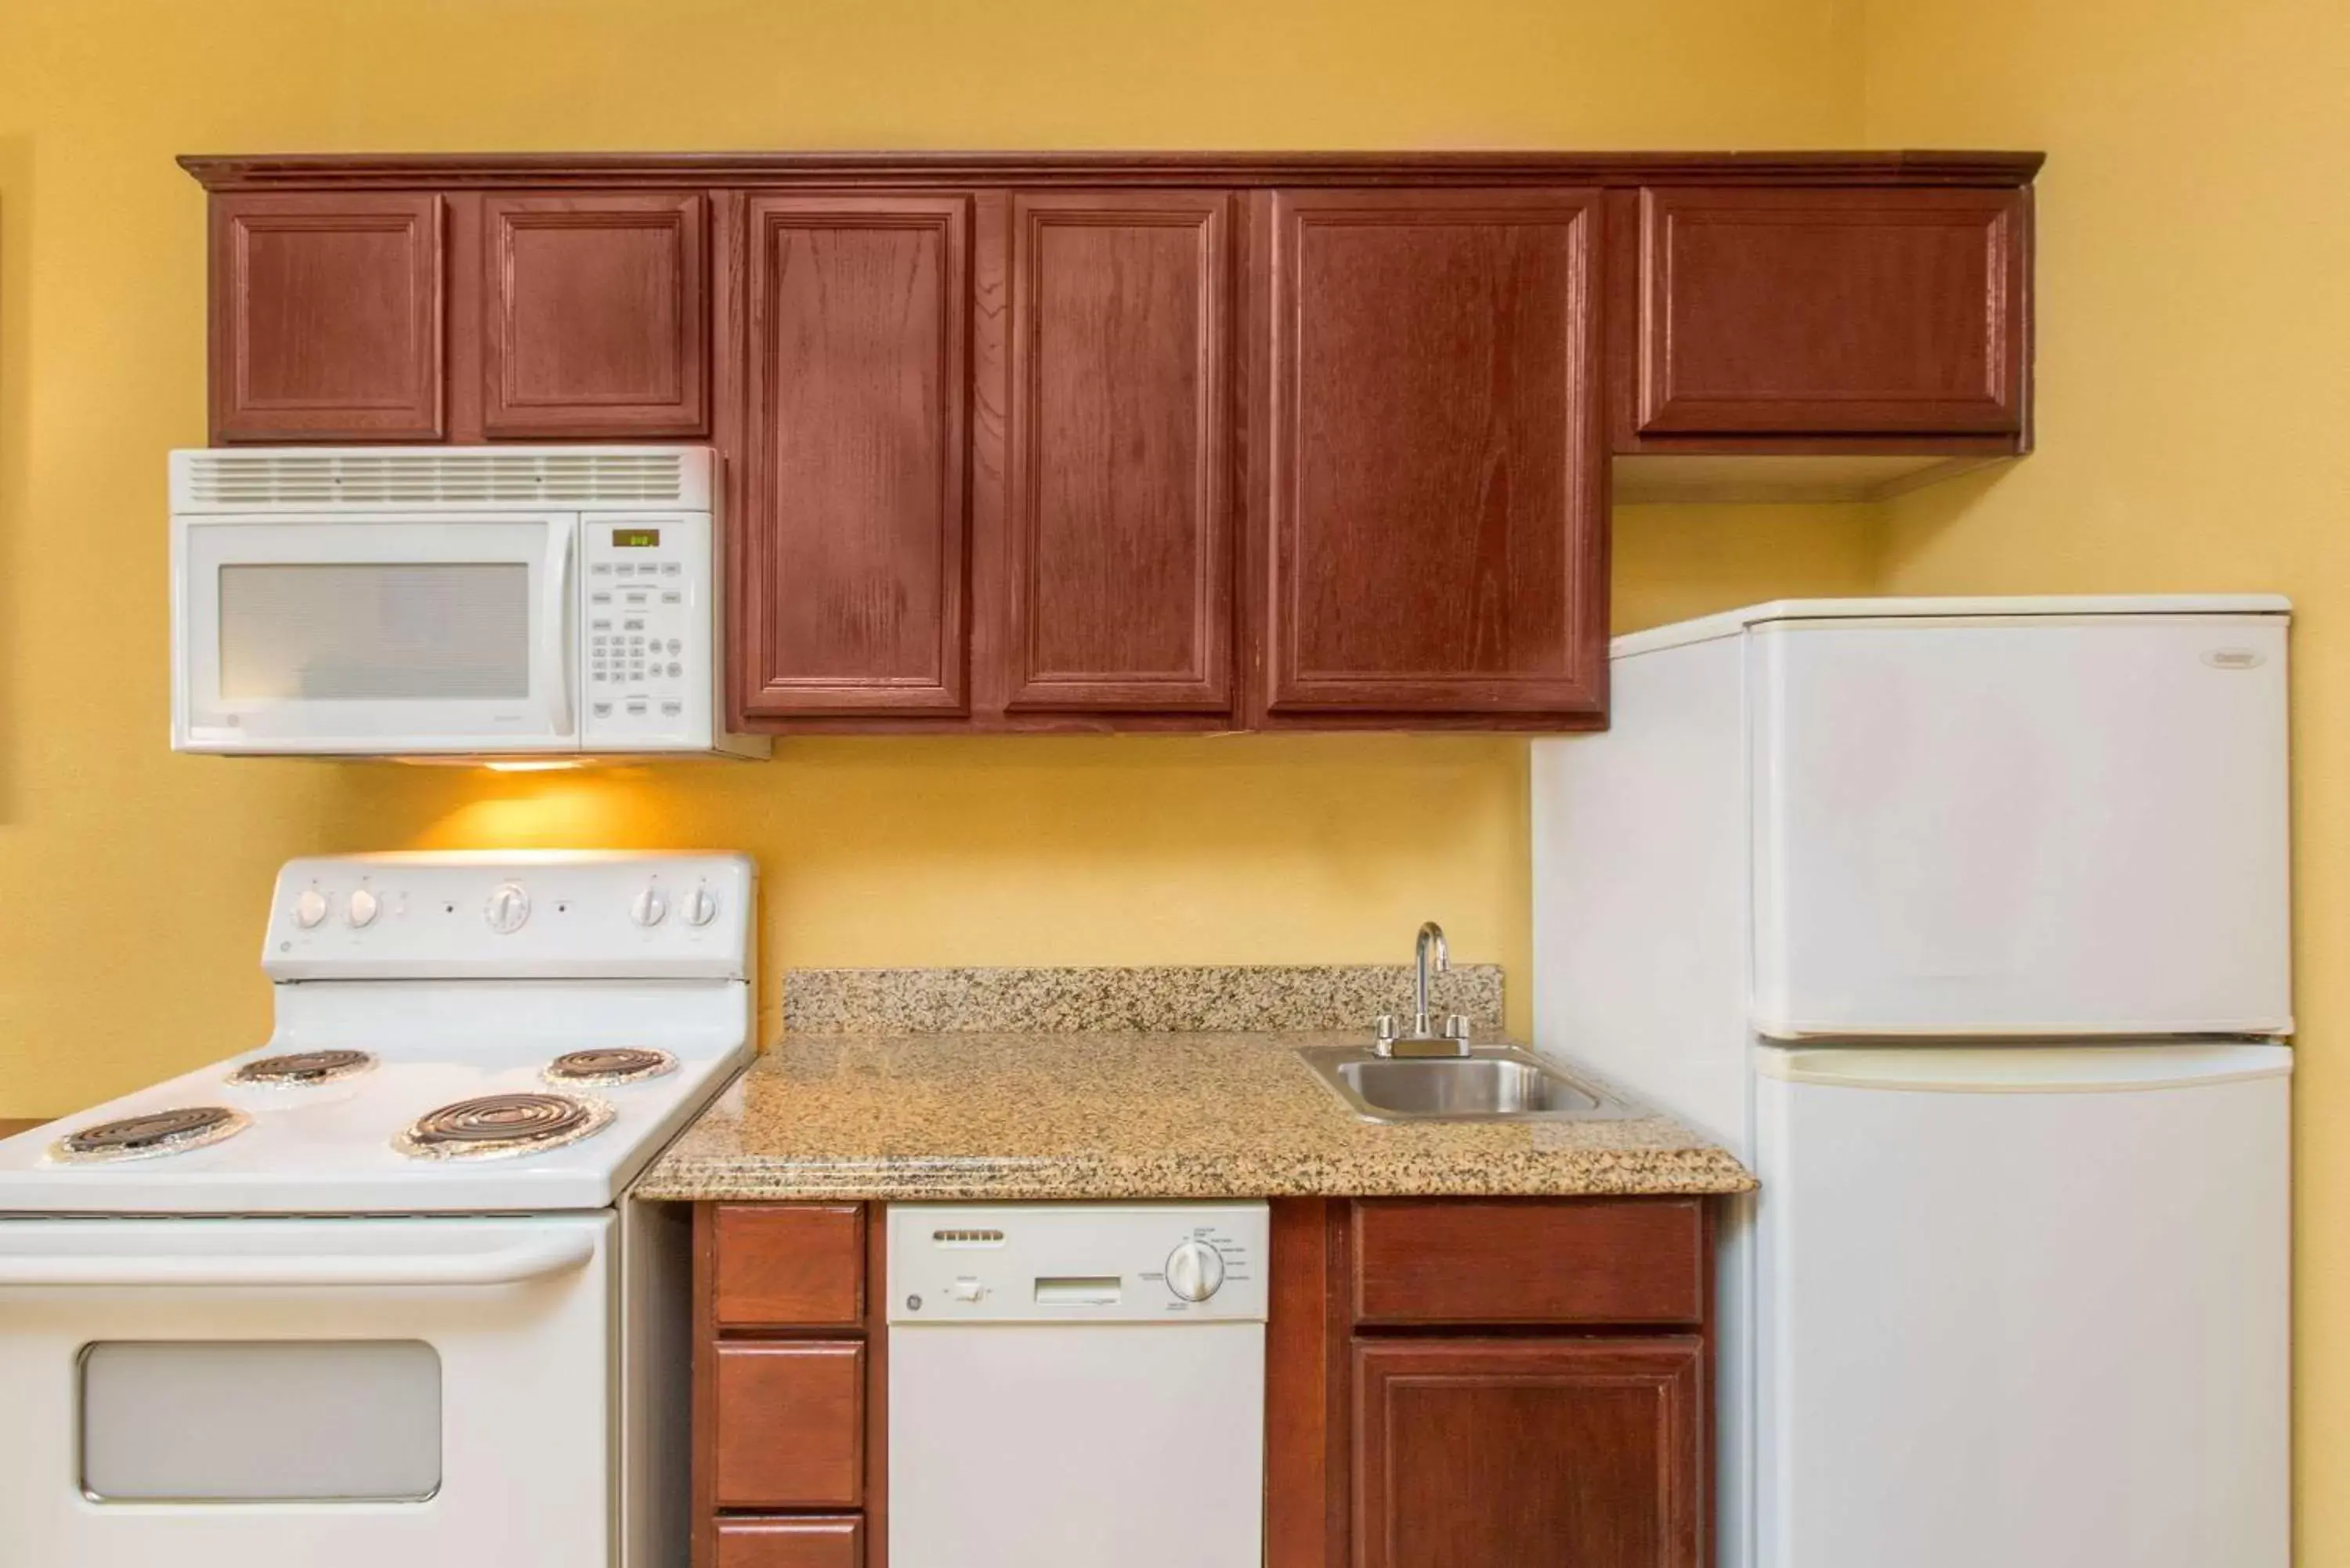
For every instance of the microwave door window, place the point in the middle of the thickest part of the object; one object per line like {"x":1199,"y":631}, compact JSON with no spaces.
{"x":362,"y":632}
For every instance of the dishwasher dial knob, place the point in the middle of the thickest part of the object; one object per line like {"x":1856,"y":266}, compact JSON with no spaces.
{"x":701,"y":906}
{"x":649,"y":907}
{"x":360,"y":911}
{"x":508,"y":908}
{"x":1195,"y":1270}
{"x":310,"y":909}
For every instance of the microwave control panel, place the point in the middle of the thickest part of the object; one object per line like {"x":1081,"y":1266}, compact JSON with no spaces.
{"x":647,"y":673}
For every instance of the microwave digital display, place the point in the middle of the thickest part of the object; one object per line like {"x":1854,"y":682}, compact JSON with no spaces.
{"x":635,"y":538}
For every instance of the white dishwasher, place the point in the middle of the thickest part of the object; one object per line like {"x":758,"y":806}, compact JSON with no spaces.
{"x":1077,"y":1386}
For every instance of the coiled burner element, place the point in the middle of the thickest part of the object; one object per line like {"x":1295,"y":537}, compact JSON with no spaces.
{"x":612,"y":1064}
{"x":303,"y":1068}
{"x":499,"y":1124}
{"x":145,"y":1136}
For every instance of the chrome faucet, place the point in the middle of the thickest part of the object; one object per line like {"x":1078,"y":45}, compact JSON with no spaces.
{"x":1430,"y":935}
{"x":1423,"y":1039}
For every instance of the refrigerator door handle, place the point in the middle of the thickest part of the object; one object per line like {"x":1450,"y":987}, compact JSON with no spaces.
{"x":2024,"y":1069}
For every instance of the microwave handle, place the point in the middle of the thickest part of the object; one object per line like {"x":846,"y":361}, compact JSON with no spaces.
{"x":556,"y":651}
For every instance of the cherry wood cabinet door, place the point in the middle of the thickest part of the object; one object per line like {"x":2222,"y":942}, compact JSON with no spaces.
{"x":788,"y":1424}
{"x":326,"y":316}
{"x":855,"y":543}
{"x":1473,"y":1453}
{"x":1121,"y":569}
{"x":804,"y":1543}
{"x":1434,"y":539}
{"x":1832,"y":312}
{"x":596,"y":320}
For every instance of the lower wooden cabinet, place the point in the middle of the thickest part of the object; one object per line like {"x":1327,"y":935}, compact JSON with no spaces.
{"x":791,"y":1543}
{"x":790,"y":1425}
{"x":1450,"y":1383}
{"x":1478,"y":1453}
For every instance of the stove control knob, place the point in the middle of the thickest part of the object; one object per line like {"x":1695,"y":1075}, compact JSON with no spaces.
{"x":508,"y":908}
{"x":701,"y":906}
{"x":649,"y":907}
{"x":1195,"y":1270}
{"x":361,"y":909}
{"x":310,"y":909}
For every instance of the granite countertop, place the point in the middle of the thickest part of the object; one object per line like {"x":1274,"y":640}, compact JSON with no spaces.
{"x":1147,"y":1083}
{"x":1125,"y":1115}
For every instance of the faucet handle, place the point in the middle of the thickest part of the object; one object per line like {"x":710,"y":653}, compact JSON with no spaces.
{"x":1384,"y":1029}
{"x":1456,"y":1027}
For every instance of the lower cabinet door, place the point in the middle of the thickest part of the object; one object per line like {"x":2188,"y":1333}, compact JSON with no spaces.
{"x":791,"y":1542}
{"x":1482,"y":1453}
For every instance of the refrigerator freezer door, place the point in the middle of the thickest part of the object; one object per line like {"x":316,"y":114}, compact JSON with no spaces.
{"x":2020,"y":826}
{"x":2034,"y":1315}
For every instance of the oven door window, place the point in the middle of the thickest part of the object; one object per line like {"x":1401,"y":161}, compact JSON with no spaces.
{"x":232,"y":1421}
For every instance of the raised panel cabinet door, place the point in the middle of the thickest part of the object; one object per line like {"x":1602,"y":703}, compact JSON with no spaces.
{"x":1828,"y":312}
{"x":596,"y":323}
{"x":1435,"y":520}
{"x":854,"y":550}
{"x":806,"y":1543}
{"x":1476,"y":1453}
{"x":326,"y":316}
{"x":1120,"y":538}
{"x":790,"y":1424}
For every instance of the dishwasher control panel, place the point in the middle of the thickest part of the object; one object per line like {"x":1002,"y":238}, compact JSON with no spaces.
{"x":1077,"y":1263}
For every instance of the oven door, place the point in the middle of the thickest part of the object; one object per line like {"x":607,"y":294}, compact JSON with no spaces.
{"x":359,"y":1393}
{"x":374,"y":635}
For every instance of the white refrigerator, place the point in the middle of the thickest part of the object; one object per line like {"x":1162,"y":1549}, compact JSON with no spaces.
{"x":1966,"y":923}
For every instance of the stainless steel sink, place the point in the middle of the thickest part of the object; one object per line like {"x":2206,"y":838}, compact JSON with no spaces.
{"x":1493,"y":1083}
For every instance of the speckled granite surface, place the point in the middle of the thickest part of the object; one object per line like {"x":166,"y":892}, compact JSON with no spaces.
{"x":1123,"y":1115}
{"x":1179,"y":998}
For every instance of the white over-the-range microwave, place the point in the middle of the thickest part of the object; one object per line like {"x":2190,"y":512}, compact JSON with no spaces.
{"x":449,"y":603}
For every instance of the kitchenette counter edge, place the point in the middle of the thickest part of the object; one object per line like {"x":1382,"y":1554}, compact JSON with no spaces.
{"x":1131,"y":1116}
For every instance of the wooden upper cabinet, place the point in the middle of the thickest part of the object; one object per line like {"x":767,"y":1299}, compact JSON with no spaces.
{"x":1120,"y":567}
{"x":1434,"y":527}
{"x":855,"y":546}
{"x":1475,"y":1452}
{"x":1830,"y":312}
{"x":596,"y":319}
{"x":326,"y":316}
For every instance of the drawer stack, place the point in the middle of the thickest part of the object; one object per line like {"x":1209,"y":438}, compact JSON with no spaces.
{"x":789,"y":1467}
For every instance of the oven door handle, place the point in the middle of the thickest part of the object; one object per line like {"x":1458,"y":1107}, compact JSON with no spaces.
{"x":536,"y":1259}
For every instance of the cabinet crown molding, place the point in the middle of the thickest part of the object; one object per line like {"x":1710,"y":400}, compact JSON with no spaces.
{"x":542,"y":171}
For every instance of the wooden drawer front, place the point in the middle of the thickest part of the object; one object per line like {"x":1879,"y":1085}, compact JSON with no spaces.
{"x":790,"y":1265}
{"x":1635,"y":1261}
{"x":791,"y":1425}
{"x":791,"y":1543}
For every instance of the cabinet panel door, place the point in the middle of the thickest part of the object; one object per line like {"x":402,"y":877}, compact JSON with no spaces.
{"x":815,"y":1542}
{"x":855,"y":546}
{"x":788,"y":1263}
{"x":326,"y":317}
{"x":790,"y":1424}
{"x":1832,"y":311}
{"x":1437,"y":529}
{"x":1120,"y":568}
{"x":1475,"y":1452}
{"x":597,"y":323}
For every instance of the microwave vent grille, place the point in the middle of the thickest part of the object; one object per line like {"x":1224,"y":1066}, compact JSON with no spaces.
{"x":231,"y":480}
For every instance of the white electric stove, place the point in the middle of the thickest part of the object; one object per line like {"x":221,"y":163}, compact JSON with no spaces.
{"x":371,"y":1294}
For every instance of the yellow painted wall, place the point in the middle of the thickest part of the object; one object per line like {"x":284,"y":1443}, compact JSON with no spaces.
{"x":2194,"y":242}
{"x":132,"y":882}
